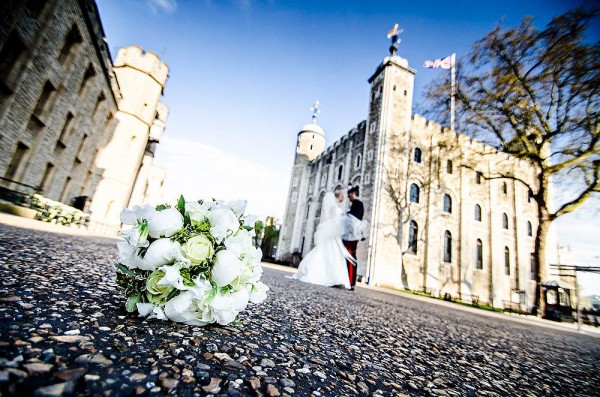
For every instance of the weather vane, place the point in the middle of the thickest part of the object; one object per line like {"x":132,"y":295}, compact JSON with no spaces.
{"x":393,"y":35}
{"x":315,"y":109}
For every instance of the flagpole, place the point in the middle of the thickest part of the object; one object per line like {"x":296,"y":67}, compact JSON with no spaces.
{"x":452,"y":91}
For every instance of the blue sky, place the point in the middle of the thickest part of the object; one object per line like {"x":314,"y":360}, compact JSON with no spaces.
{"x":244,"y":73}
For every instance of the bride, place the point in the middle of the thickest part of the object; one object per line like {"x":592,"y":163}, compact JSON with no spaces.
{"x":325,"y":264}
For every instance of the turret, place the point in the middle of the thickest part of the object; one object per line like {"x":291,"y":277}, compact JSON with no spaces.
{"x":311,"y":138}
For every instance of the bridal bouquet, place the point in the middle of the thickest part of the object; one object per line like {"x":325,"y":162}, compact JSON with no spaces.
{"x":194,"y":263}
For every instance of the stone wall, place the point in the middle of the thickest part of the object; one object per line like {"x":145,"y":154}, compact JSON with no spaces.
{"x":57,"y":96}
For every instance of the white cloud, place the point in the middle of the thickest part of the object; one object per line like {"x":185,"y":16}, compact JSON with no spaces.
{"x":162,"y":5}
{"x":200,"y":171}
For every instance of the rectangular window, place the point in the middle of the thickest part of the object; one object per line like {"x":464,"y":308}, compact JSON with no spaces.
{"x":72,"y":42}
{"x":48,"y":175}
{"x":294,"y":197}
{"x":66,"y":130}
{"x":370,"y":155}
{"x":45,"y":101}
{"x":295,"y":182}
{"x":11,"y":59}
{"x":19,"y":158}
{"x":367,"y":178}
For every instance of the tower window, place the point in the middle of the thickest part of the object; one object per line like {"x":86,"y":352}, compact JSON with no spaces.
{"x":449,"y":166}
{"x":295,"y":182}
{"x":414,"y":193}
{"x":506,"y":261}
{"x":417,"y":156}
{"x":529,"y":195}
{"x":477,"y":213}
{"x":358,"y":161}
{"x":11,"y":57}
{"x":394,"y":88}
{"x":340,"y":172}
{"x":412,"y":237}
{"x":19,"y":157}
{"x":405,"y":92}
{"x":311,"y":146}
{"x":72,"y":41}
{"x":370,"y":155}
{"x":478,"y":177}
{"x":504,"y":188}
{"x":447,"y":203}
{"x":87,"y":78}
{"x":45,"y":100}
{"x":505,"y":221}
{"x":447,"y":247}
{"x":367,"y":178}
{"x":479,"y":255}
{"x":294,"y":197}
{"x":529,"y":229}
{"x":533,"y":266}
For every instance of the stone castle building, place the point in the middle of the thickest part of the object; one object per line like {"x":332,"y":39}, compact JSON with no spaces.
{"x":440,"y":219}
{"x":127,"y":160}
{"x":72,"y":124}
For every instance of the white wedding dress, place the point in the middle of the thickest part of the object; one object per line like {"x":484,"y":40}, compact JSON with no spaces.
{"x":325,"y":264}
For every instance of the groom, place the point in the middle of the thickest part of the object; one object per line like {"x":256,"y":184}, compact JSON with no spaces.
{"x":352,"y":237}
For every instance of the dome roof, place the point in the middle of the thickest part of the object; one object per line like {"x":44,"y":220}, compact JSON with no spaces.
{"x":313,"y":127}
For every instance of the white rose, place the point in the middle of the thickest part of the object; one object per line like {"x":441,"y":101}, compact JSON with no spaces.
{"x":225,"y":307}
{"x":259,"y":292}
{"x":239,"y":243}
{"x":172,"y":277}
{"x":227,"y":267}
{"x":165,"y":223}
{"x":127,"y":254}
{"x":136,"y":236}
{"x":137,"y":213}
{"x":238,"y":207}
{"x":222,"y":222}
{"x":250,"y":220}
{"x":198,"y":249}
{"x":161,"y":252}
{"x":196,"y":211}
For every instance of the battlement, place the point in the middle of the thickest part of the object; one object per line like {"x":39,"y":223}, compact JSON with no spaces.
{"x":145,"y":61}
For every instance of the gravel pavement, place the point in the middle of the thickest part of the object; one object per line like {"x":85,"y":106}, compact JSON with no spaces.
{"x":64,"y":331}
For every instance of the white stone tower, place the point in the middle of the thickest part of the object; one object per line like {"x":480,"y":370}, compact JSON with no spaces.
{"x":311,"y":143}
{"x":141,"y":76}
{"x":390,"y":110}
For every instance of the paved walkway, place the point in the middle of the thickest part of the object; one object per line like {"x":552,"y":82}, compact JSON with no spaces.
{"x":518,"y":318}
{"x":64,"y":331}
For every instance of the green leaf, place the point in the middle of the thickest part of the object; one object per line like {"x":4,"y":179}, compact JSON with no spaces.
{"x":132,"y":302}
{"x":124,"y":270}
{"x":173,"y":294}
{"x":181,"y":205}
{"x":162,"y":207}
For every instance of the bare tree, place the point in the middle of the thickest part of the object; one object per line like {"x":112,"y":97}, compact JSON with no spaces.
{"x":534,"y":94}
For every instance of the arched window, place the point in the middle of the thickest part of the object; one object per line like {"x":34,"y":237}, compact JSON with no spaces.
{"x":340,"y":172}
{"x":477,"y":213}
{"x":414,"y":193}
{"x":358,"y":161}
{"x":449,"y":166}
{"x":505,"y":221}
{"x":447,"y":247}
{"x":504,"y":188}
{"x":506,"y":261}
{"x":529,"y":229}
{"x":479,"y":255}
{"x":447,"y":203}
{"x":529,"y":195}
{"x":417,"y":155}
{"x":412,"y":237}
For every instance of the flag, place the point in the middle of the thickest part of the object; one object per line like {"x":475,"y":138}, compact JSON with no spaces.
{"x":445,"y":63}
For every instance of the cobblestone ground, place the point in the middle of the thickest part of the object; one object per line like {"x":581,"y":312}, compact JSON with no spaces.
{"x":64,"y":331}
